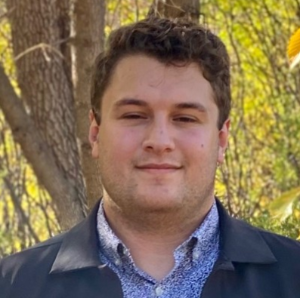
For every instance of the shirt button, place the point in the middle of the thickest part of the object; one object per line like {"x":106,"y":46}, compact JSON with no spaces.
{"x":117,"y":262}
{"x":127,"y":253}
{"x":158,"y":291}
{"x":196,"y":255}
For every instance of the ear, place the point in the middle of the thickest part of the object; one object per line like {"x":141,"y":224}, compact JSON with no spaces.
{"x":223,"y":141}
{"x":93,"y":135}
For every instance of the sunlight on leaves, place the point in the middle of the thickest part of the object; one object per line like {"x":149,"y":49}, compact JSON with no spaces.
{"x":293,"y":50}
{"x":282,"y":207}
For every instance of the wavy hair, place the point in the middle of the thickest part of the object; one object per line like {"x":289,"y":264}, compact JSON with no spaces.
{"x":173,"y":42}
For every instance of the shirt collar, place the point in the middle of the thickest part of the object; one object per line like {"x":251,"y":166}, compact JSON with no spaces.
{"x":206,"y":235}
{"x":196,"y":245}
{"x":110,"y":245}
{"x":239,"y":242}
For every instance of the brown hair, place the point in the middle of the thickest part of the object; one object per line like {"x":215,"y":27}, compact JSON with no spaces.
{"x":170,"y":42}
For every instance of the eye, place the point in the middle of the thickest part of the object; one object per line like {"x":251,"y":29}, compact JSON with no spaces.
{"x":134,"y":116}
{"x":185,"y":119}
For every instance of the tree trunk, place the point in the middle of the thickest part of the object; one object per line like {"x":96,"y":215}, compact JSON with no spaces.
{"x":183,"y":9}
{"x":43,"y":73}
{"x":37,"y":152}
{"x":88,"y":33}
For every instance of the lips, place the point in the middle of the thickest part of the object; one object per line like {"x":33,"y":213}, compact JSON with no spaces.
{"x":158,"y":168}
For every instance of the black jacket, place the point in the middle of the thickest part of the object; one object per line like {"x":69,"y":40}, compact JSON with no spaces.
{"x":253,"y":264}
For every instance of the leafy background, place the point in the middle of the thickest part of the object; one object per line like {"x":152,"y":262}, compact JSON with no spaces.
{"x":260,"y":180}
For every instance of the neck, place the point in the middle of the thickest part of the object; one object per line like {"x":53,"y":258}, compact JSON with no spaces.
{"x":152,"y":241}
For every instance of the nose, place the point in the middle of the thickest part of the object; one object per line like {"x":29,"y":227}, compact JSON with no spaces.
{"x":158,"y":138}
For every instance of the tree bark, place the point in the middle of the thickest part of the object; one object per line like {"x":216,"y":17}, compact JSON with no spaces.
{"x":43,"y":73}
{"x":38,"y":154}
{"x":180,"y":9}
{"x":88,"y":33}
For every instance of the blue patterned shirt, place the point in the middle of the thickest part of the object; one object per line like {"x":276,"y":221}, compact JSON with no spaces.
{"x":194,"y":260}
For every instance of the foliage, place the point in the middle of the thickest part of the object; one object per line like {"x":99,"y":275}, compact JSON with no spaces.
{"x":294,"y":49}
{"x":263,"y":160}
{"x":288,"y":226}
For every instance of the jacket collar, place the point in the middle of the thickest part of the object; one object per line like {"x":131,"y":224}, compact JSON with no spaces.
{"x":79,"y":248}
{"x":242,"y":243}
{"x":239,"y":242}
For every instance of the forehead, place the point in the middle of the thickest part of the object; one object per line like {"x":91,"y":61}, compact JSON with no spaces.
{"x":141,"y":67}
{"x":146,"y":78}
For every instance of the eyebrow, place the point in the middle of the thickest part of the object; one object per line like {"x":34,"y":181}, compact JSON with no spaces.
{"x":191,"y":105}
{"x":130,"y":101}
{"x":138,"y":102}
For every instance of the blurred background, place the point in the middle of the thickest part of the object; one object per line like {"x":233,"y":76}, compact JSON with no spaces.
{"x":48,"y":181}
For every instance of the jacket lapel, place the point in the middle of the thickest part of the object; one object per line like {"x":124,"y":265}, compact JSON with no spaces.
{"x":79,"y":248}
{"x":242,"y":243}
{"x":239,"y":243}
{"x":78,"y":260}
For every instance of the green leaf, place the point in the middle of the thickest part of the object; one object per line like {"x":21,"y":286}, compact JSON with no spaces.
{"x":282,"y":207}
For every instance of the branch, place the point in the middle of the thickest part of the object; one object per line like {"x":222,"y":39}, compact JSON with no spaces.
{"x":43,"y":47}
{"x":19,"y":209}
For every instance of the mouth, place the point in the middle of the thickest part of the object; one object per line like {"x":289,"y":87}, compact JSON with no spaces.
{"x":158,"y":168}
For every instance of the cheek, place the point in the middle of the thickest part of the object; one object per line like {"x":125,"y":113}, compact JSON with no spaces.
{"x":119,"y":145}
{"x":193,"y":140}
{"x":198,"y":145}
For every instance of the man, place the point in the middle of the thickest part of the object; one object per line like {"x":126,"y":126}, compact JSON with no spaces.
{"x":159,"y":128}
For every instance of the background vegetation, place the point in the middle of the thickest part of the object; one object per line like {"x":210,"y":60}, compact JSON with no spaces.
{"x":47,"y":49}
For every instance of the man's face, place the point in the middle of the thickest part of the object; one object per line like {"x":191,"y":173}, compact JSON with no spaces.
{"x":158,"y":143}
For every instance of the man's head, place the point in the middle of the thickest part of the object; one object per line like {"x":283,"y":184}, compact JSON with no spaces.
{"x":159,"y":124}
{"x":170,"y":42}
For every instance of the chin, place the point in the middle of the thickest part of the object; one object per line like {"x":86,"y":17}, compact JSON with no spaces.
{"x":158,"y":203}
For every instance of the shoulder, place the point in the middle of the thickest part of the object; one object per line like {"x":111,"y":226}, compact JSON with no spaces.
{"x":33,"y":261}
{"x":283,"y":248}
{"x":268,"y":235}
{"x":245,"y":243}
